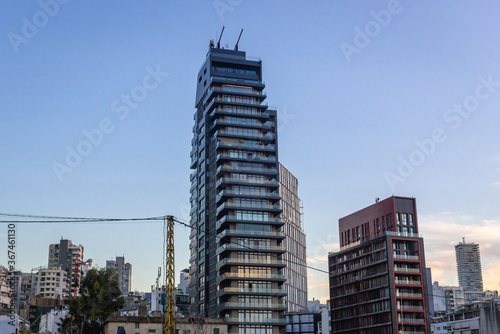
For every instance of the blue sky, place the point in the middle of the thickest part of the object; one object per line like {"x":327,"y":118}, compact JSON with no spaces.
{"x":347,"y":118}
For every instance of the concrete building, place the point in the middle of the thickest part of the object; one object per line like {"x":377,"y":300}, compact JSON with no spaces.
{"x":4,"y":289}
{"x":154,"y":325}
{"x":447,"y":299}
{"x":64,"y":255}
{"x":51,"y":283}
{"x":469,"y":272}
{"x":378,"y":278}
{"x":49,"y":322}
{"x":315,"y":306}
{"x":124,"y":273}
{"x":474,"y":318}
{"x":302,"y":322}
{"x":184,"y":281}
{"x":295,"y":242}
{"x":236,"y":263}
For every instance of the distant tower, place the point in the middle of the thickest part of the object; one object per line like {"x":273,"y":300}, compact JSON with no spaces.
{"x":469,"y":266}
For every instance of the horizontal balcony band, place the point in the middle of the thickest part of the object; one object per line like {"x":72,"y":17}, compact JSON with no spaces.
{"x":403,"y":234}
{"x":232,"y":206}
{"x":247,"y":82}
{"x":410,"y":307}
{"x":261,"y":248}
{"x":257,"y":277}
{"x":248,"y":262}
{"x":260,"y":147}
{"x":263,"y":306}
{"x":218,"y":123}
{"x":234,"y":219}
{"x":411,"y":321}
{"x":407,"y":282}
{"x":244,"y":169}
{"x":266,"y":321}
{"x":253,"y":113}
{"x":407,"y":270}
{"x":251,"y":291}
{"x":230,"y":193}
{"x":253,"y":158}
{"x":257,"y":183}
{"x":238,"y":91}
{"x":244,"y":233}
{"x":270,"y":136}
{"x":411,"y":295}
{"x":406,"y":257}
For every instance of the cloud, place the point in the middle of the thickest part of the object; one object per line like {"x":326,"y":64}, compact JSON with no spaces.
{"x":495,"y":184}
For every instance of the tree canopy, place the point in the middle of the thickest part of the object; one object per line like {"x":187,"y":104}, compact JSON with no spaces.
{"x":100,"y":297}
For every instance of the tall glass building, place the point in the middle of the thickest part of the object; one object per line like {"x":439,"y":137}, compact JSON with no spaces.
{"x":237,"y":242}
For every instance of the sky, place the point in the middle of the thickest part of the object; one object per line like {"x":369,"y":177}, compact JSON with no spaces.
{"x":374,"y":98}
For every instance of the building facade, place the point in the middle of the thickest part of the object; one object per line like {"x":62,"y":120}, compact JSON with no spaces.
{"x":447,"y":299}
{"x":64,"y":255}
{"x":469,"y":272}
{"x":51,"y":283}
{"x":124,"y":270}
{"x":295,"y":243}
{"x":378,"y":278}
{"x":236,"y":264}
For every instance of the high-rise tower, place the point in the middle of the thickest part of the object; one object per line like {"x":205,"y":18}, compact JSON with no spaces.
{"x":236,"y":264}
{"x":295,"y":242}
{"x":469,"y":272}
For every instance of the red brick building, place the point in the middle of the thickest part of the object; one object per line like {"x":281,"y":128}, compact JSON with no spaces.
{"x":377,"y":279}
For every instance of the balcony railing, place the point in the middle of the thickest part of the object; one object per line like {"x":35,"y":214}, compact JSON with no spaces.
{"x":419,"y":321}
{"x":262,"y":276}
{"x":248,"y":157}
{"x":404,"y":234}
{"x":268,"y":136}
{"x":407,"y":281}
{"x":270,"y":147}
{"x":405,"y":256}
{"x":410,"y":307}
{"x":253,"y":290}
{"x":247,"y":232}
{"x":250,"y":261}
{"x":255,"y":305}
{"x":408,"y":294}
{"x":248,"y":181}
{"x":248,"y":169}
{"x":253,"y":320}
{"x":408,"y":270}
{"x":257,"y":247}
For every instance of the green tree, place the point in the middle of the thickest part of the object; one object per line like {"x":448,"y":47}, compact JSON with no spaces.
{"x":100,"y":297}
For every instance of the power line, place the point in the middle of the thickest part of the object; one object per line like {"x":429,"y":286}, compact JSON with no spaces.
{"x":248,"y":247}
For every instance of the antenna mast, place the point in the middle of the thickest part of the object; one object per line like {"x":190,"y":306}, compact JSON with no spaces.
{"x":218,"y":43}
{"x":236,"y":46}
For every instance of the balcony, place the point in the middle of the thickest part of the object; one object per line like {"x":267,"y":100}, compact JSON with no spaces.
{"x":406,"y":256}
{"x":252,"y":291}
{"x":258,"y":277}
{"x":263,"y":306}
{"x":238,"y":90}
{"x":243,"y":233}
{"x":266,"y":321}
{"x":230,"y":180}
{"x":250,"y":262}
{"x":247,"y":158}
{"x":236,"y":219}
{"x":260,"y":136}
{"x":250,"y":248}
{"x":258,"y":170}
{"x":237,"y":80}
{"x":410,"y":307}
{"x":234,"y":206}
{"x":404,"y":234}
{"x":411,"y":320}
{"x":260,"y":147}
{"x":239,"y":111}
{"x":407,"y":270}
{"x":407,"y":281}
{"x":408,"y":294}
{"x":263,"y":195}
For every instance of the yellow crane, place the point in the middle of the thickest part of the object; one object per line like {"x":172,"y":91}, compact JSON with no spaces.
{"x":169,"y":311}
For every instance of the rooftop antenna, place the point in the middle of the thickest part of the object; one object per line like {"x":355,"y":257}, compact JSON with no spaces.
{"x":236,"y":46}
{"x":463,"y":238}
{"x":218,"y":43}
